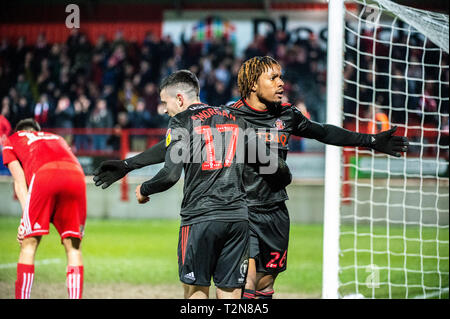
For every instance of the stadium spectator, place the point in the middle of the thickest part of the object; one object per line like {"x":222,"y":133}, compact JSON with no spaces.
{"x":151,"y":98}
{"x":64,"y":113}
{"x":192,"y":51}
{"x":428,"y":104}
{"x":122,"y":123}
{"x":378,"y":120}
{"x":139,"y":118}
{"x":217,"y":94}
{"x":82,"y":109}
{"x":42,"y":111}
{"x":6,"y":111}
{"x":23,"y":108}
{"x":100,"y":117}
{"x":23,"y":86}
{"x":128,"y":97}
{"x":299,"y":143}
{"x":50,"y":185}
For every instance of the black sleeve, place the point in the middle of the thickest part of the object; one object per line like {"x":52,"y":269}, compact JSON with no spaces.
{"x":154,"y":155}
{"x":334,"y":135}
{"x":329,"y":134}
{"x":165,"y":179}
{"x":176,"y":142}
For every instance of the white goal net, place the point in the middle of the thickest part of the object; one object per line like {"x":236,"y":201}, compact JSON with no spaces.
{"x":394,"y":212}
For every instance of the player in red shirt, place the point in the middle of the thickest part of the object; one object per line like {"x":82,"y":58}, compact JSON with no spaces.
{"x":5,"y":130}
{"x":50,"y":185}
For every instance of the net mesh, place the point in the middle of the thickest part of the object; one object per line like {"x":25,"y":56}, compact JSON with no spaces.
{"x":394,"y":233}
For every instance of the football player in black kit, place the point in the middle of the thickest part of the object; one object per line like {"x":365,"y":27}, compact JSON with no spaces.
{"x":261,"y":87}
{"x":211,"y":145}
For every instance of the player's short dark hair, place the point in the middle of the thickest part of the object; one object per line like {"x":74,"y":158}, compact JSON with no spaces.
{"x":183,"y":80}
{"x":251,"y":70}
{"x":27,"y":124}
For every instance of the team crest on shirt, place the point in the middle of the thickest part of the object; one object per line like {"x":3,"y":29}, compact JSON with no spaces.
{"x":168,"y":137}
{"x":279,"y":124}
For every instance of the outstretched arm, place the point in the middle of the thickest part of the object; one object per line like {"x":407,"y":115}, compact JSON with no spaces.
{"x":112,"y":170}
{"x":384,"y":142}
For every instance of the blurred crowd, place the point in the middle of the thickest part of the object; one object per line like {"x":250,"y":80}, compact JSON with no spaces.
{"x":114,"y":84}
{"x":406,"y":79}
{"x":81,"y":84}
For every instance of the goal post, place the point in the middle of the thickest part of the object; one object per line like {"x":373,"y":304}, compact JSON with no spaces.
{"x":387,"y":234}
{"x":330,"y":280}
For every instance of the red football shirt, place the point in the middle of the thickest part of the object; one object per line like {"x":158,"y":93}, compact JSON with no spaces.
{"x":5,"y":129}
{"x":34,"y":149}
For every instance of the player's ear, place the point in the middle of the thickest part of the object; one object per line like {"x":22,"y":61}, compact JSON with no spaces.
{"x":255,"y":86}
{"x":180,"y":100}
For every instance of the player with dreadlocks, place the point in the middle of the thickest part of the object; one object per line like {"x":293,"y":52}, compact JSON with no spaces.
{"x":261,"y":88}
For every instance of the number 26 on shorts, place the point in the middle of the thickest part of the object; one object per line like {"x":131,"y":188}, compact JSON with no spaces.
{"x":276,"y":262}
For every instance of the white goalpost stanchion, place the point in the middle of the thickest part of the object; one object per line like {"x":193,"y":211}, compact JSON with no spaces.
{"x":387,"y":234}
{"x":330,"y":270}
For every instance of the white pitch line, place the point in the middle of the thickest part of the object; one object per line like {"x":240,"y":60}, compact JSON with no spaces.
{"x":37,"y":263}
{"x":431,"y":295}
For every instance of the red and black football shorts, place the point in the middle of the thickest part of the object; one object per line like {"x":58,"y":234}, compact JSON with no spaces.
{"x":56,"y":194}
{"x":216,"y":249}
{"x":269,"y":237}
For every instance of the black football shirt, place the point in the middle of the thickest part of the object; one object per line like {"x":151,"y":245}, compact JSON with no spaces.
{"x":275,"y":126}
{"x":206,"y":138}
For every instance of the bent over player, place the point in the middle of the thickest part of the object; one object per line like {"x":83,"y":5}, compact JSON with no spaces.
{"x":50,"y":185}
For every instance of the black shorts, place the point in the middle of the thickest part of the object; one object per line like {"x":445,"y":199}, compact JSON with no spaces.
{"x":214,"y":249}
{"x":269,"y":237}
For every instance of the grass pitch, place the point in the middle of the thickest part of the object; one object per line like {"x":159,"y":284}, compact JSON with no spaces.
{"x":144,"y":252}
{"x":133,"y":256}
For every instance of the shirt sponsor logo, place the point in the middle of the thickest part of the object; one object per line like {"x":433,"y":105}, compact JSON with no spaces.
{"x":274,"y":137}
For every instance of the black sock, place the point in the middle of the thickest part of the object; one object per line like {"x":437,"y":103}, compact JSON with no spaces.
{"x":264,"y":294}
{"x":248,"y":294}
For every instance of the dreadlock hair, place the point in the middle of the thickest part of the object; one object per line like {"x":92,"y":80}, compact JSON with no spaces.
{"x":251,"y":70}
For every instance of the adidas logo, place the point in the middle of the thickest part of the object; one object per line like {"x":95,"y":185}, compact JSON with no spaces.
{"x":36,"y":226}
{"x":190,"y":276}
